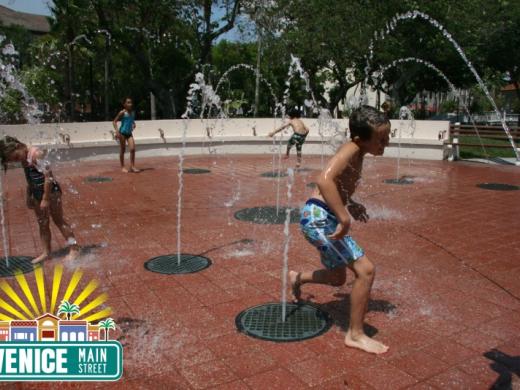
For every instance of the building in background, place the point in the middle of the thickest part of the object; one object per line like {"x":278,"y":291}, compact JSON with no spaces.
{"x":36,"y":24}
{"x":4,"y":330}
{"x":73,"y":330}
{"x":48,"y":327}
{"x":24,"y":331}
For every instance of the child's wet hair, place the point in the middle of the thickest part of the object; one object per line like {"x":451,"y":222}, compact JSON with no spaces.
{"x":127,"y":98}
{"x":294,"y":113}
{"x":364,"y":120}
{"x":8,"y":145}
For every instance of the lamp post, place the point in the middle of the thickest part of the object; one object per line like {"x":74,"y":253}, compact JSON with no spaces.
{"x":149,"y":36}
{"x":71,"y":83}
{"x":108,"y":44}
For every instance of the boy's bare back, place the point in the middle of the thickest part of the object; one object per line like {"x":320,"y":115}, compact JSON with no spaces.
{"x":298,"y":126}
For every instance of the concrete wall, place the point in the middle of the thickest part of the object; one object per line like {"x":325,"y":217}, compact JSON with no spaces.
{"x":95,"y":139}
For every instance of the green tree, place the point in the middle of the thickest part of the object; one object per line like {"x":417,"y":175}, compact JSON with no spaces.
{"x":107,"y":325}
{"x":68,"y":309}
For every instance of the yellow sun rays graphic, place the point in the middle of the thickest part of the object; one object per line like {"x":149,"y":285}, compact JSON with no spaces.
{"x":27,"y":306}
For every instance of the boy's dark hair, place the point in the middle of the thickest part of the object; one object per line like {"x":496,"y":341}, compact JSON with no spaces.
{"x":127,"y":98}
{"x":8,"y":145}
{"x":294,"y":113}
{"x":364,"y":120}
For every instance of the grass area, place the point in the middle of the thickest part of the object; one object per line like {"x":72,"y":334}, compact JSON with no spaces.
{"x":478,"y":152}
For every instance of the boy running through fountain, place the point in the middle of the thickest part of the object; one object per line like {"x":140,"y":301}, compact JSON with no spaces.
{"x":325,"y":222}
{"x":298,"y":137}
{"x":124,"y":134}
{"x":43,"y":193}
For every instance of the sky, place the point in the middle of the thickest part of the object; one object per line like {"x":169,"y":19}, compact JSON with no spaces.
{"x":31,"y":6}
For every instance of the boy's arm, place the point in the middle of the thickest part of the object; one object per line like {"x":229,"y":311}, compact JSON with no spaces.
{"x":272,"y":133}
{"x":327,"y":183}
{"x":116,"y":119}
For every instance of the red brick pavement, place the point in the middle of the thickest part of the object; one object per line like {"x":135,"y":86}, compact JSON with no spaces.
{"x":446,"y":289}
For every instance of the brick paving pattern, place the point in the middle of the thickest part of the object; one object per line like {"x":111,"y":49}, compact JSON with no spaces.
{"x":446,"y":296}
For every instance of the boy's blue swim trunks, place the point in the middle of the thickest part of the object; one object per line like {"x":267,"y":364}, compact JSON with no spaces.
{"x":317,"y":223}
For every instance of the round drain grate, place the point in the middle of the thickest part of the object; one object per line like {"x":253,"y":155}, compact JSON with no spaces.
{"x":498,"y":187}
{"x":195,"y":171}
{"x":302,"y":322}
{"x":98,"y":179}
{"x":312,"y":185}
{"x":169,"y":264}
{"x":401,"y":181}
{"x":267,"y":215}
{"x":16,"y":264}
{"x":273,"y":174}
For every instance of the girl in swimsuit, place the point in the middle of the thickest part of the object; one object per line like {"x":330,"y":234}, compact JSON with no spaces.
{"x":43,"y":193}
{"x":124,"y":134}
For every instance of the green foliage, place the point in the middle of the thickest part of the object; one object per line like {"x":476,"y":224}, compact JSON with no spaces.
{"x":158,"y":46}
{"x":41,"y":84}
{"x":68,"y":309}
{"x":448,"y":106}
{"x":11,"y":104}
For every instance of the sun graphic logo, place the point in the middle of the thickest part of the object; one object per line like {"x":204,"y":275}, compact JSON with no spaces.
{"x":41,"y":340}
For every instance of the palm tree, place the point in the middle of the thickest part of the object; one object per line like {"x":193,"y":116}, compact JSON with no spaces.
{"x":68,"y":309}
{"x":106,"y":325}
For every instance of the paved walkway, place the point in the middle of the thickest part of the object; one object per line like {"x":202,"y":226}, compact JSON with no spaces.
{"x":446,"y":297}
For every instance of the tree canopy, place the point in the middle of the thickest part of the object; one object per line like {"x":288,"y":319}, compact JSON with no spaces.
{"x":99,"y":51}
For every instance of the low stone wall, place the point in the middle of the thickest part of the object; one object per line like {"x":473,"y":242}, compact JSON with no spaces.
{"x":89,"y":140}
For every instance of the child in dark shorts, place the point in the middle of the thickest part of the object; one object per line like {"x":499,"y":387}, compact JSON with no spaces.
{"x":298,"y":137}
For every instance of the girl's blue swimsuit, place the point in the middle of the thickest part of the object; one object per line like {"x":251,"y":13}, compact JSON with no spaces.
{"x":127,"y":124}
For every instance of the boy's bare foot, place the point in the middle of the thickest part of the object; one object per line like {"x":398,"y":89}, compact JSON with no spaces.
{"x":365,"y":343}
{"x":124,"y":170}
{"x":294,"y":278}
{"x":135,"y":170}
{"x":286,"y":157}
{"x":74,"y":253}
{"x":298,"y":165}
{"x":39,"y":259}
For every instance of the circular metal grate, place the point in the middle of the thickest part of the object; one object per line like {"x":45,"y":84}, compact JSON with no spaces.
{"x":273,"y":174}
{"x":400,"y":181}
{"x":195,"y":171}
{"x":16,"y":264}
{"x":303,"y":321}
{"x":169,"y":264}
{"x":267,"y":215}
{"x":312,"y":185}
{"x":304,"y":169}
{"x":98,"y":179}
{"x":498,"y":186}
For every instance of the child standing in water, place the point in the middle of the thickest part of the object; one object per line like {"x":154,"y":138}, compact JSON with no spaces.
{"x":325,"y":222}
{"x":43,"y":193}
{"x":298,"y":137}
{"x":124,"y":134}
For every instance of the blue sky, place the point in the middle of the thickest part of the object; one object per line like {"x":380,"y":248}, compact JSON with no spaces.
{"x":32,"y":6}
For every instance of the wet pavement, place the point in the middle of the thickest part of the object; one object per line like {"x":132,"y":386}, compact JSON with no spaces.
{"x":446,"y":297}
